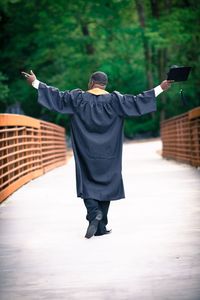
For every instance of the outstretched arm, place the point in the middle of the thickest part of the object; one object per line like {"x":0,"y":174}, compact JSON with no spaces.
{"x":143,"y":103}
{"x":51,"y":97}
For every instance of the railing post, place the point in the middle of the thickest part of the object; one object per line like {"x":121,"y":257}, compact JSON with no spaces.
{"x":194,"y":119}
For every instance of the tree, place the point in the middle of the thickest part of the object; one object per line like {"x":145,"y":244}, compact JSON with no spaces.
{"x":135,"y":42}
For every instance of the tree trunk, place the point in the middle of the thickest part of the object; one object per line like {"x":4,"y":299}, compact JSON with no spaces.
{"x":155,"y":8}
{"x":89,"y":47}
{"x":146,"y":47}
{"x":161,"y":56}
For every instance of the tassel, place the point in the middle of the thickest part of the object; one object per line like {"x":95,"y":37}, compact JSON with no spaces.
{"x":183,"y":99}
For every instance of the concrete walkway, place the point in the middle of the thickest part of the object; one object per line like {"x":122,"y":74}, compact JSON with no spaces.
{"x":152,"y":254}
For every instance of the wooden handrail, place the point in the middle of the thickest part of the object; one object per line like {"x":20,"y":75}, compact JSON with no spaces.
{"x":181,"y":137}
{"x":28,"y":148}
{"x":16,"y":161}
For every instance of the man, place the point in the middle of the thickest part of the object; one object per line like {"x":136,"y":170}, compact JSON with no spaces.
{"x":96,"y":125}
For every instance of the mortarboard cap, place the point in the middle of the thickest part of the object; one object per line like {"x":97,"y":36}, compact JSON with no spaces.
{"x":178,"y":73}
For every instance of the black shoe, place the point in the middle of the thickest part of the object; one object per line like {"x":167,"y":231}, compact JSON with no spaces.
{"x":93,"y":226}
{"x":105,"y":232}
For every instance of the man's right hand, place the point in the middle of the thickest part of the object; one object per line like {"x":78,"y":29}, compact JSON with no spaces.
{"x":30,"y":77}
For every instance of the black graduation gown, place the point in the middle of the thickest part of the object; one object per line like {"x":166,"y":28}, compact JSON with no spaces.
{"x":96,"y":125}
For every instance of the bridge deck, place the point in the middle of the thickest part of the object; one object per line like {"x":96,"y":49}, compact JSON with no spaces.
{"x":152,"y":254}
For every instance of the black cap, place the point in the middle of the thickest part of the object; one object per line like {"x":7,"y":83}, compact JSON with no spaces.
{"x":99,"y":77}
{"x":178,"y":73}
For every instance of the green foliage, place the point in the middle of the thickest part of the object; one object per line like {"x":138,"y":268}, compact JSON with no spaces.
{"x":148,"y":126}
{"x":4,"y":89}
{"x":64,"y":41}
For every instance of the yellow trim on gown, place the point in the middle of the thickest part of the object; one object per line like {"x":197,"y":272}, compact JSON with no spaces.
{"x":97,"y":91}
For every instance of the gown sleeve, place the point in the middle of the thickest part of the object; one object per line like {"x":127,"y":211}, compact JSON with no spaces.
{"x":130,"y":105}
{"x":53,"y":99}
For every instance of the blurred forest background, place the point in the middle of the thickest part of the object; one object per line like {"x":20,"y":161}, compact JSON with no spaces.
{"x":134,"y":42}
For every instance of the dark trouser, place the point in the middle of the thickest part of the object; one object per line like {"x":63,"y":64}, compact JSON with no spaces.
{"x":93,"y":207}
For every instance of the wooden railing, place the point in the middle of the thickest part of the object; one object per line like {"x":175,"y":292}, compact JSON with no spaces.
{"x":28,"y":148}
{"x":181,"y":137}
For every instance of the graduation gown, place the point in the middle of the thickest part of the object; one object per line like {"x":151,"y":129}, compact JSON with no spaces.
{"x":96,"y":124}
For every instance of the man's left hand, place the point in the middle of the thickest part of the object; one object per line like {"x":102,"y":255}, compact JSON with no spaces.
{"x":166,"y":84}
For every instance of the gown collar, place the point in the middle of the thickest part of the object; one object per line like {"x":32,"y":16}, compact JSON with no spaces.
{"x":97,"y":91}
